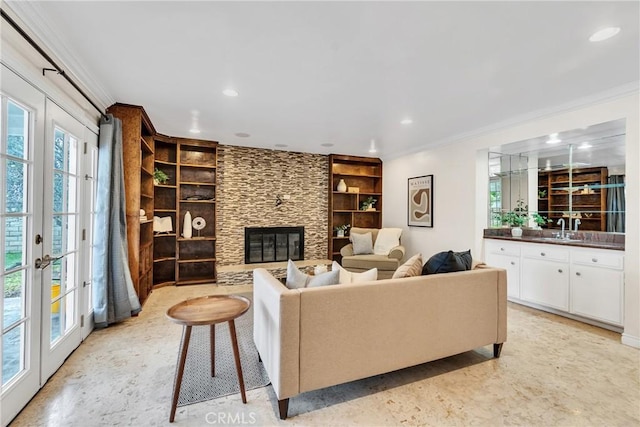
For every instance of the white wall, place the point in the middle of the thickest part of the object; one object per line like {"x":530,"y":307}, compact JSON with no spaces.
{"x":461,"y":183}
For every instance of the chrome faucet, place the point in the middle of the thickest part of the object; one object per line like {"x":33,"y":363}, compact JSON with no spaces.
{"x":576,"y":223}
{"x":561,"y":222}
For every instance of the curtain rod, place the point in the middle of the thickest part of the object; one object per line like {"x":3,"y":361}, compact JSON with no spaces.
{"x":48,"y":58}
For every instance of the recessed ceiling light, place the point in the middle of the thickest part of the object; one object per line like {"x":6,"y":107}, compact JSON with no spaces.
{"x":194,"y":130}
{"x":584,"y":146}
{"x":603,"y":34}
{"x":406,"y":121}
{"x":230,"y":92}
{"x":242,"y":135}
{"x":327,"y":144}
{"x":281,"y":145}
{"x":553,"y":139}
{"x":372,"y":147}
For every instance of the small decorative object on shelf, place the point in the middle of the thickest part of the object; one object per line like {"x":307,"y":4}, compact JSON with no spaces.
{"x":342,"y":229}
{"x":199,"y":223}
{"x":342,"y":186}
{"x":162,"y":224}
{"x":159,"y":177}
{"x":187,"y":231}
{"x":353,"y":190}
{"x":367,"y":204}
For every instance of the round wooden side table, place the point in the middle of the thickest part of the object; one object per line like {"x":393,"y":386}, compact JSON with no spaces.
{"x":207,"y":310}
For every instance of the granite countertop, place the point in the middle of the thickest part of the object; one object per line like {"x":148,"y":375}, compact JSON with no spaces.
{"x":584,"y":239}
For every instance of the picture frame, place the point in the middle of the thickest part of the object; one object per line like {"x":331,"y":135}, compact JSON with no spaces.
{"x":420,"y":201}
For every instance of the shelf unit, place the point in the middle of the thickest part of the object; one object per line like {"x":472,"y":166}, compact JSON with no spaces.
{"x":196,"y":193}
{"x":589,"y":207}
{"x":165,"y":245}
{"x":365,"y":173}
{"x":138,"y":163}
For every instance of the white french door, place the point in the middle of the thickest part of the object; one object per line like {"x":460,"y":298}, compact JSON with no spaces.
{"x":22,"y":124}
{"x":47,"y":161}
{"x":61,"y":239}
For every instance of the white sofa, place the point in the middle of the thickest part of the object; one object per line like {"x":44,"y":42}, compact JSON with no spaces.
{"x":313,"y":338}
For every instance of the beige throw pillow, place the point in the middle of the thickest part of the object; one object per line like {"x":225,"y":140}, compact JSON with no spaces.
{"x":350,"y":277}
{"x":411,"y":268}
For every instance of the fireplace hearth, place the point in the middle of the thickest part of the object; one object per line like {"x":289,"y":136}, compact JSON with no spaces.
{"x":272,"y":244}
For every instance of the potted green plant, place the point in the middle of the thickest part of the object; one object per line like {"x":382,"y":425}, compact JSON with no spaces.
{"x":367,"y":204}
{"x":342,"y":229}
{"x":540,"y":220}
{"x":159,"y":177}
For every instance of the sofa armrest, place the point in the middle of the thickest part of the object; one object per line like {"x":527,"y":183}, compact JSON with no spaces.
{"x":347,"y":250}
{"x":397,"y":252}
{"x":276,"y":331}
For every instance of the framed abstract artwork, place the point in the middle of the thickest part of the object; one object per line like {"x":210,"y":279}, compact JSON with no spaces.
{"x":421,"y":201}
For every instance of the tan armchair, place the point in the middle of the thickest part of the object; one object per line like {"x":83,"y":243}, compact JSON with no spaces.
{"x":386,"y":264}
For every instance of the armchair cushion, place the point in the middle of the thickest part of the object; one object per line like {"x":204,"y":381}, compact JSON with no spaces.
{"x":367,"y":262}
{"x":362,"y":243}
{"x":387,"y":239}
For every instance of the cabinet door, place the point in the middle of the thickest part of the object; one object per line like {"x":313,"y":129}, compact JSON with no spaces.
{"x":512,"y":265}
{"x":596,"y":293}
{"x":545,"y":282}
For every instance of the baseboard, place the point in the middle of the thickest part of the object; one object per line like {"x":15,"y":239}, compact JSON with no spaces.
{"x":630,"y":340}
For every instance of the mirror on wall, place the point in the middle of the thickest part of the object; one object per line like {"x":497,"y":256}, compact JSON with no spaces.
{"x":576,"y":176}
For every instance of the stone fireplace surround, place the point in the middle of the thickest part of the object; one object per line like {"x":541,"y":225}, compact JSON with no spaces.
{"x":250,"y":179}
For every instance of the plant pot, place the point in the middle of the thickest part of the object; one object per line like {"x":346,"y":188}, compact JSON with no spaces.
{"x":340,"y":233}
{"x":516,"y":232}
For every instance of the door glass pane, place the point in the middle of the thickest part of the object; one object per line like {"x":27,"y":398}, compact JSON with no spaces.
{"x":16,"y":187}
{"x":59,"y":223}
{"x":70,"y":191}
{"x":13,"y":298}
{"x":13,"y":345}
{"x":17,"y":129}
{"x":70,"y":314}
{"x":71,"y":154}
{"x":14,"y":242}
{"x":56,"y":299}
{"x":58,"y":150}
{"x":58,"y":188}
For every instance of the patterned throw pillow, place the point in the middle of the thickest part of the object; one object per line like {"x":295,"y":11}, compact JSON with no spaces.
{"x":411,"y":268}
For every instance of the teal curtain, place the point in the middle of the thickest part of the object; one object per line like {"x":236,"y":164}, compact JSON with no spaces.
{"x":114,"y":297}
{"x":615,"y":204}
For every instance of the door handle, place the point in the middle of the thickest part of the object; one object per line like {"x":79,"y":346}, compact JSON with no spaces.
{"x":46,"y":261}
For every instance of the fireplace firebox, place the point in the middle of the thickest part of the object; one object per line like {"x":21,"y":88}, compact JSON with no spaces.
{"x":272,"y":244}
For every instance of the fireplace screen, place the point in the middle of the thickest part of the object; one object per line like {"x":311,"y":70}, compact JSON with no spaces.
{"x":271,"y":244}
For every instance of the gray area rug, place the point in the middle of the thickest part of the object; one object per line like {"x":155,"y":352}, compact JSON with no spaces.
{"x":197,"y":383}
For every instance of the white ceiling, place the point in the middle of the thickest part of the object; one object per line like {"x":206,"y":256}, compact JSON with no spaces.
{"x":311,"y":73}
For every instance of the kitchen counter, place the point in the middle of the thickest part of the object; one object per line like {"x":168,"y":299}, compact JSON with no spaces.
{"x":584,"y":239}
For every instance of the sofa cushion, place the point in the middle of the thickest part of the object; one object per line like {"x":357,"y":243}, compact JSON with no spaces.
{"x":347,"y":277}
{"x":388,"y":238}
{"x":411,"y":268}
{"x":362,"y":243}
{"x":448,"y":262}
{"x":296,"y":279}
{"x":367,"y":262}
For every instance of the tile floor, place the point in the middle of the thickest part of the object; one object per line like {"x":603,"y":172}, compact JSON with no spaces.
{"x":553,"y":372}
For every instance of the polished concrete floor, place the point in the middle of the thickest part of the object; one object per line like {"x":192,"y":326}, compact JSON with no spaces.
{"x":552,"y":372}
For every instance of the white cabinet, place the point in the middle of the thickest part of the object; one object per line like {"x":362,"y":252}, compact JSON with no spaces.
{"x":597,"y":284}
{"x":545,"y":275}
{"x":585,"y":282}
{"x":505,"y":255}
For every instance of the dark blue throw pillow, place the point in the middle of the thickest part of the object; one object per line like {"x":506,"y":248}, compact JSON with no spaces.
{"x":448,"y":262}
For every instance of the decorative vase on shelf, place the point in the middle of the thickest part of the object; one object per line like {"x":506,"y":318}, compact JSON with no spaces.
{"x":516,"y":232}
{"x":342,"y":186}
{"x":340,"y":233}
{"x":187,"y":230}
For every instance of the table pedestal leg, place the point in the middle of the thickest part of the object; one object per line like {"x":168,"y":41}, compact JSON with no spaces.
{"x":236,"y":354}
{"x":213,"y":350}
{"x":184,"y":346}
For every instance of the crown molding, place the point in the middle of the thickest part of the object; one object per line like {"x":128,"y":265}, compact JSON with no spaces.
{"x":608,"y":95}
{"x":32,"y":16}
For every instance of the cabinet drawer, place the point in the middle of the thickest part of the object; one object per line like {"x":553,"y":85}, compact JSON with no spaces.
{"x":546,"y":252}
{"x":596,"y":258}
{"x":502,"y":247}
